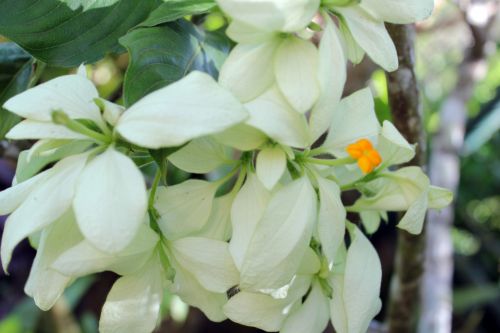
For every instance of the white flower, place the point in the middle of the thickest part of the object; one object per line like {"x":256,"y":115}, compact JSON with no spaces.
{"x":407,"y":189}
{"x":363,"y":30}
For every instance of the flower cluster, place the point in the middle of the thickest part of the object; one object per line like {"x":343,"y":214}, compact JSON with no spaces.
{"x":262,"y":243}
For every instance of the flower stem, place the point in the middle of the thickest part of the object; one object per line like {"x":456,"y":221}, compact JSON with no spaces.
{"x":334,"y":162}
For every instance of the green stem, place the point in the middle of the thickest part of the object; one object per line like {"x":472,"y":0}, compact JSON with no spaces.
{"x":40,"y":68}
{"x":334,"y":162}
{"x":154,"y":188}
{"x":60,"y":118}
{"x":227,"y":177}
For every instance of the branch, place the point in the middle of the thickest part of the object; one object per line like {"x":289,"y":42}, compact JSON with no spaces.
{"x":404,"y":99}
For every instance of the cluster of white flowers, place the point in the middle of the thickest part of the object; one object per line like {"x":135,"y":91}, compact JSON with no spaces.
{"x":271,"y":251}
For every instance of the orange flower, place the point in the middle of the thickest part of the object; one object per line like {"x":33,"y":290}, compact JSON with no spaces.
{"x":368,"y":157}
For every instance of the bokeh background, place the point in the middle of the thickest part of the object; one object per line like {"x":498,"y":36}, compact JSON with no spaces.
{"x":458,"y":64}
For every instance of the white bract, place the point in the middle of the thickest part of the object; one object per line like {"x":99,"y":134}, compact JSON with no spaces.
{"x":363,"y":29}
{"x":261,"y":239}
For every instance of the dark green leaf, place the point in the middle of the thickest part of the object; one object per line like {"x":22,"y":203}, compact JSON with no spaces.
{"x":172,"y":10}
{"x":17,"y":83}
{"x":54,"y":33}
{"x":162,"y":55}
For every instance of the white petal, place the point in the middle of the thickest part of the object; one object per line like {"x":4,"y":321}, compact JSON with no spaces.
{"x":248,"y":71}
{"x":363,"y":276}
{"x":371,"y":34}
{"x":133,"y":304}
{"x":84,"y":259}
{"x":290,"y":16}
{"x":242,"y":137}
{"x":312,"y":316}
{"x":296,"y":67}
{"x":14,"y":196}
{"x":281,"y":237}
{"x":331,"y":218}
{"x":192,"y":107}
{"x":272,"y":114}
{"x":256,"y":310}
{"x":371,"y":221}
{"x":73,"y":94}
{"x":45,"y":204}
{"x":112,"y":112}
{"x":218,"y":225}
{"x":185,"y":208}
{"x":192,"y":293}
{"x":332,"y":76}
{"x":34,"y":130}
{"x":397,"y":192}
{"x":247,"y":210}
{"x":270,"y":166}
{"x":400,"y":11}
{"x":438,"y":197}
{"x":208,"y":260}
{"x":352,"y":50}
{"x":111,"y":199}
{"x":201,"y":156}
{"x":354,"y":119}
{"x":393,"y":147}
{"x":413,"y":220}
{"x":247,"y":34}
{"x":44,"y":284}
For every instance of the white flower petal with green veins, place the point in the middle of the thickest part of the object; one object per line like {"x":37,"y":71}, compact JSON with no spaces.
{"x":202,"y":155}
{"x":281,"y":237}
{"x":133,"y":304}
{"x":43,"y":205}
{"x":371,"y":35}
{"x":193,"y":107}
{"x":72,"y":94}
{"x":332,"y":76}
{"x":248,"y":71}
{"x":270,"y":166}
{"x":184,"y":208}
{"x":400,"y":11}
{"x":272,"y":114}
{"x":296,"y":67}
{"x":208,"y":261}
{"x":247,"y":210}
{"x":110,"y":201}
{"x":34,"y":130}
{"x":331,"y":218}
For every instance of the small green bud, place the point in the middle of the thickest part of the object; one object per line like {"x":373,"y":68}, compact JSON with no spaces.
{"x":100,"y":104}
{"x":60,"y":118}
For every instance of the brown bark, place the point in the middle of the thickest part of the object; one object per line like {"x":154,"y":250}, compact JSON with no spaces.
{"x":404,"y":99}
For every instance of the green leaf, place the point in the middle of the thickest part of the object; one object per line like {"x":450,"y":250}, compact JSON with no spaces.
{"x":173,"y":10}
{"x":15,"y":73}
{"x":162,"y":55}
{"x":54,"y":33}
